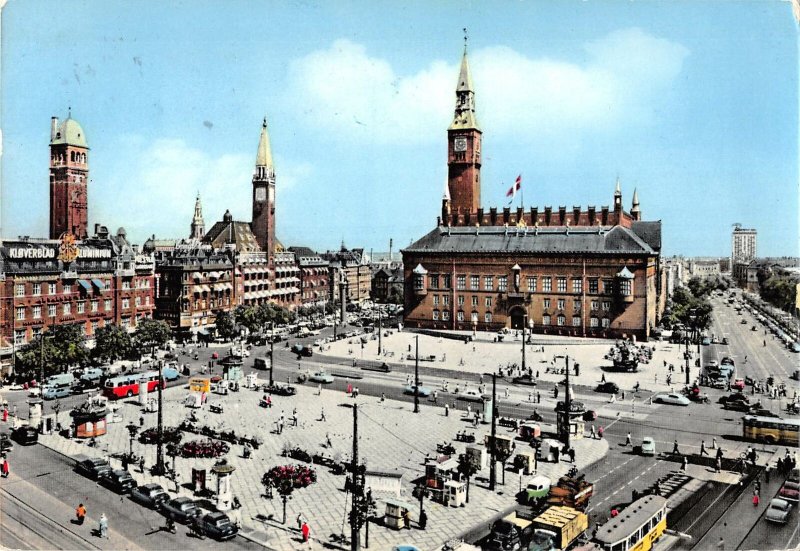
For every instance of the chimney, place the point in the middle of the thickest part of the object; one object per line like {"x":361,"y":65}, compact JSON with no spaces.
{"x":506,"y":214}
{"x":480,"y":215}
{"x":576,"y":216}
{"x":493,"y":215}
{"x":391,"y":242}
{"x":562,"y":215}
{"x":53,"y":127}
{"x":604,"y":216}
{"x":591,"y":216}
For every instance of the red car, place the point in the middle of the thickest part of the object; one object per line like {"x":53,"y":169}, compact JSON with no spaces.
{"x":738,"y":384}
{"x":215,"y":356}
{"x":790,"y":491}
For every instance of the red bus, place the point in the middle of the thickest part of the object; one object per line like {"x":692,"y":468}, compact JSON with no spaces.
{"x":128,"y":385}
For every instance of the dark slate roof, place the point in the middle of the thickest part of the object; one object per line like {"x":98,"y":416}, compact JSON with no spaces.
{"x":650,"y":232}
{"x":556,"y":240}
{"x":302,"y":251}
{"x":231,"y":232}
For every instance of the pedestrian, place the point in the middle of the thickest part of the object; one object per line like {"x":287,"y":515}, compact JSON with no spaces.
{"x":714,"y":443}
{"x":300,"y":521}
{"x":675,"y":447}
{"x":5,"y":468}
{"x":446,"y":410}
{"x":719,"y":465}
{"x":555,"y":391}
{"x":383,"y":396}
{"x":755,"y":499}
{"x":593,"y":433}
{"x":506,"y":393}
{"x":767,"y":469}
{"x":103,"y":526}
{"x":319,"y":389}
{"x":603,"y":378}
{"x":423,"y":520}
{"x":355,"y":392}
{"x":703,"y":448}
{"x":350,"y":388}
{"x":719,"y":453}
{"x":80,"y":513}
{"x":623,"y":395}
{"x":612,"y":399}
{"x":328,"y":443}
{"x":628,"y":441}
{"x":407,"y":519}
{"x":435,"y":396}
{"x":538,"y":397}
{"x":721,"y":544}
{"x":475,"y":419}
{"x":685,"y":463}
{"x":600,"y":432}
{"x":322,"y":415}
{"x":469,"y":411}
{"x":306,"y":531}
{"x":530,"y":396}
{"x":655,"y":378}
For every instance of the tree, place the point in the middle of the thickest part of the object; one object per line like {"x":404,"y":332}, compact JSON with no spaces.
{"x":63,"y":346}
{"x":780,"y":291}
{"x":468,"y":466}
{"x":226,"y":326}
{"x":503,"y":454}
{"x":151,"y":334}
{"x":112,"y":342}
{"x":285,"y":479}
{"x":249,"y":317}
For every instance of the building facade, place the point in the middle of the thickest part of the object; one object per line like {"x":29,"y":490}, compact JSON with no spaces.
{"x":582,"y":272}
{"x":350,"y":266}
{"x":743,"y":245}
{"x":69,"y":179}
{"x":314,"y":277}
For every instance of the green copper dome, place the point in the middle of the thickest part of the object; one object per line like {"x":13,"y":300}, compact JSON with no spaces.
{"x":70,"y":132}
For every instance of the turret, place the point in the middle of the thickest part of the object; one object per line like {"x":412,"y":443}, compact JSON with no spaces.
{"x":636,"y":212}
{"x":198,"y":226}
{"x":618,"y":199}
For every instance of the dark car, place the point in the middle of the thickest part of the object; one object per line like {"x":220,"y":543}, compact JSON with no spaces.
{"x":217,"y":525}
{"x":762,"y":412}
{"x":92,"y":467}
{"x":5,"y":443}
{"x":745,"y":407}
{"x":280,"y":389}
{"x":607,"y":387}
{"x":118,"y":480}
{"x":181,"y":509}
{"x":149,"y":495}
{"x":735,"y":397}
{"x":302,"y":350}
{"x":25,"y":435}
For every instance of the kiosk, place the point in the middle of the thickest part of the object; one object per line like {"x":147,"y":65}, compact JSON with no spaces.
{"x":394,"y":517}
{"x":224,"y":494}
{"x":455,"y":493}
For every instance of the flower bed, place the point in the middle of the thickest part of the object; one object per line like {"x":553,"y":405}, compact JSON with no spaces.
{"x":289,"y":477}
{"x":204,"y":448}
{"x":171,"y":435}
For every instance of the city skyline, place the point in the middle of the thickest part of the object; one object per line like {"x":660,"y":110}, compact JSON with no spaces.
{"x":358,"y":115}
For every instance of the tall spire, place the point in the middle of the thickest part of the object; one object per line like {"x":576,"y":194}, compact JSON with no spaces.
{"x":636,"y":212}
{"x":465,"y":97}
{"x":198,"y":226}
{"x":264,"y":153}
{"x":617,"y":190}
{"x":618,"y":198}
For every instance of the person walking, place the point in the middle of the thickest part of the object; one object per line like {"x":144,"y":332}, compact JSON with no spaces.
{"x":306,"y":531}
{"x":703,"y":448}
{"x":767,"y":469}
{"x":446,"y":410}
{"x":80,"y":513}
{"x":538,"y":397}
{"x":755,"y":498}
{"x":684,"y":464}
{"x":603,"y":378}
{"x":593,"y":433}
{"x":103,"y":525}
{"x":628,"y":441}
{"x":300,"y":521}
{"x":5,"y":468}
{"x":322,"y":415}
{"x":530,"y":396}
{"x":721,"y":544}
{"x":675,"y":447}
{"x":714,"y":443}
{"x":719,"y":465}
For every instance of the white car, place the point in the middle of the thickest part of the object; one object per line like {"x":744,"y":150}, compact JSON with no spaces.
{"x":321,"y":377}
{"x":671,"y":398}
{"x":472,"y":395}
{"x":778,"y":511}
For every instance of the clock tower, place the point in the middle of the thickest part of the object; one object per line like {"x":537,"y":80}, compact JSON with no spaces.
{"x":464,"y":148}
{"x":263,"y":222}
{"x":69,"y":179}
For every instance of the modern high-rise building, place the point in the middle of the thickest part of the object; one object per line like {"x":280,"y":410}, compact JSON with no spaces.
{"x":743,"y":245}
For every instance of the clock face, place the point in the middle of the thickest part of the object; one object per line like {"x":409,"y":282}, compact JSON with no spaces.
{"x":460,"y":144}
{"x":261,"y":194}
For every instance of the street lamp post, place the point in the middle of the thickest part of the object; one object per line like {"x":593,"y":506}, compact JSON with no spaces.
{"x":271,"y":352}
{"x":380,"y":330}
{"x":159,"y":466}
{"x":493,"y":413}
{"x":416,"y":374}
{"x":567,"y":405}
{"x":524,"y":323}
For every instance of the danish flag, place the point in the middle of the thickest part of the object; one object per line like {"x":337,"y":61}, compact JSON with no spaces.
{"x":512,"y":191}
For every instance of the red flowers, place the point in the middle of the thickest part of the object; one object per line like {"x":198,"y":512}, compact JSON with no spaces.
{"x":289,"y":477}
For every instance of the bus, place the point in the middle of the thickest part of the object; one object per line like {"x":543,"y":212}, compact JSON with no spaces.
{"x":128,"y":385}
{"x":636,"y":528}
{"x":771,"y":430}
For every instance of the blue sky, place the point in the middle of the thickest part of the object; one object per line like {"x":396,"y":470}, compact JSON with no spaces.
{"x":695,"y":104}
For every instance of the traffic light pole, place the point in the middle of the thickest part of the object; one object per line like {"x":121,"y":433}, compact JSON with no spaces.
{"x":271,"y":353}
{"x":492,"y":462}
{"x":159,"y":468}
{"x":355,"y":533}
{"x":567,"y":404}
{"x":416,"y":375}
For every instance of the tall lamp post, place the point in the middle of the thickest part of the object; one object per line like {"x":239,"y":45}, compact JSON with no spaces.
{"x":271,"y":352}
{"x":416,"y":374}
{"x":694,"y":329}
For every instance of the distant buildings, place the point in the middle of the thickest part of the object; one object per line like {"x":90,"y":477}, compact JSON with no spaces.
{"x":743,"y":250}
{"x":592,"y":272}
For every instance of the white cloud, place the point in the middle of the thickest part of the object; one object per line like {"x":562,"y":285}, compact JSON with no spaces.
{"x":164,"y":179}
{"x":364,"y":97}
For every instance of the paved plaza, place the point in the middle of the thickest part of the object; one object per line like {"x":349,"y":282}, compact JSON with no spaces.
{"x":391,"y":438}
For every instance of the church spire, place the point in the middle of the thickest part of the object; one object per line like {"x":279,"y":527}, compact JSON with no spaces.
{"x":465,"y":117}
{"x":198,"y":226}
{"x":264,"y":164}
{"x":636,"y":212}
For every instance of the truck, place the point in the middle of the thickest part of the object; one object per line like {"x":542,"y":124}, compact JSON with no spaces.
{"x":571,"y":492}
{"x":510,"y":533}
{"x":558,"y":528}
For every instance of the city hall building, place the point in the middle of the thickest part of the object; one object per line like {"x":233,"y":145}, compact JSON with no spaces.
{"x":580,"y":272}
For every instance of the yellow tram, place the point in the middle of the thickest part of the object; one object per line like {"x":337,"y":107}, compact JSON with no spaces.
{"x":636,"y":528}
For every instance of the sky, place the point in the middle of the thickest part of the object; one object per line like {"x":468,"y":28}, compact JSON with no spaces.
{"x":692,"y":103}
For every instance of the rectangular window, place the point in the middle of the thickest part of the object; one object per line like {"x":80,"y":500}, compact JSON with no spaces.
{"x":594,"y":322}
{"x":51,"y":288}
{"x":107,"y":305}
{"x":94,"y":305}
{"x":626,"y":287}
{"x":20,"y":312}
{"x":502,"y":283}
{"x":67,"y":289}
{"x":460,"y":315}
{"x":488,"y":283}
{"x":545,"y":320}
{"x":576,"y":321}
{"x":434,"y":284}
{"x":51,"y":310}
{"x":445,"y":315}
{"x":435,"y":315}
{"x":606,"y":305}
{"x":81,"y":307}
{"x":461,"y":282}
{"x":577,"y":285}
{"x":561,"y":282}
{"x":474,"y":282}
{"x":546,"y":303}
{"x":547,"y":284}
{"x":37,"y":289}
{"x":562,"y":304}
{"x":37,"y":312}
{"x":576,"y":305}
{"x":138,"y":301}
{"x":19,"y":336}
{"x":447,"y":281}
{"x":94,"y":327}
{"x":488,"y":302}
{"x":461,"y":300}
{"x":532,"y":284}
{"x":487,"y":317}
{"x":561,"y":321}
{"x":606,"y":322}
{"x":608,"y":286}
{"x":593,"y":286}
{"x":436,"y":300}
{"x":126,"y":303}
{"x":474,"y":301}
{"x":595,"y":305}
{"x":126,"y":285}
{"x":19,"y":290}
{"x":66,"y":309}
{"x":147,"y":300}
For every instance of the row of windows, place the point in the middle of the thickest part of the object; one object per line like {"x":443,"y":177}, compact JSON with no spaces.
{"x":547,"y":320}
{"x":38,"y":289}
{"x":561,"y":303}
{"x":500,"y":283}
{"x":80,"y":308}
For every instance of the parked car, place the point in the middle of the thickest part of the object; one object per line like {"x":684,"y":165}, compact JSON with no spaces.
{"x":118,"y":480}
{"x":149,"y":495}
{"x":25,"y":435}
{"x":472,"y":395}
{"x":280,"y":389}
{"x":745,"y":407}
{"x":648,"y":446}
{"x":671,"y":398}
{"x":778,"y":511}
{"x":170,"y":374}
{"x":725,"y":340}
{"x":217,"y":525}
{"x":92,"y":467}
{"x":53,"y":392}
{"x":181,"y":509}
{"x":5,"y":444}
{"x":608,"y":387}
{"x":727,"y":361}
{"x":321,"y":377}
{"x":422,"y":391}
{"x":790,"y":491}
